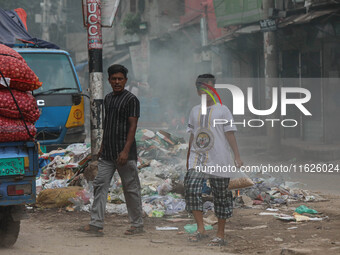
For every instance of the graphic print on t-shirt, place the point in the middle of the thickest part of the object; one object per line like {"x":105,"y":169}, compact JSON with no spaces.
{"x":203,"y":140}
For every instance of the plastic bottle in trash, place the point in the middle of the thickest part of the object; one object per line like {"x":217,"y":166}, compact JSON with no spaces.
{"x":157,"y":214}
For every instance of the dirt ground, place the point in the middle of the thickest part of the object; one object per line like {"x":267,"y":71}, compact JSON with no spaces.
{"x":55,"y":232}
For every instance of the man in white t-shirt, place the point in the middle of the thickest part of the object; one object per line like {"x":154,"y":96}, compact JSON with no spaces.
{"x":209,"y":157}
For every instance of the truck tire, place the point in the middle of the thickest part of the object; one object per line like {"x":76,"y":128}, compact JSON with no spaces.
{"x":9,"y":231}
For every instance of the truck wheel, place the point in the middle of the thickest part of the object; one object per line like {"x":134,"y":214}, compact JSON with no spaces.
{"x":9,"y":231}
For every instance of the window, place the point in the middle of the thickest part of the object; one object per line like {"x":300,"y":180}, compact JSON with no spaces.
{"x":53,"y":70}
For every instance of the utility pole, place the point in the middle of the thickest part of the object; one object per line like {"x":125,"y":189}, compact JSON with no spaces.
{"x":204,"y":30}
{"x":46,"y":5}
{"x":271,"y":77}
{"x":95,"y":48}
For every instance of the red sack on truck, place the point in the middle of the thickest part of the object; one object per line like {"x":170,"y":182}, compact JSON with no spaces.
{"x":12,"y":130}
{"x":14,"y":67}
{"x":26,"y":102}
{"x":4,"y":50}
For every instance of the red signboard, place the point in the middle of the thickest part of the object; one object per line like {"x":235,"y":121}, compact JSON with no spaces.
{"x":108,"y":12}
{"x":93,"y":18}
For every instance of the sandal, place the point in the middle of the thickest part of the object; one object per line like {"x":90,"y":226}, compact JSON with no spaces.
{"x":89,"y":229}
{"x":196,"y":237}
{"x":134,"y":230}
{"x":217,"y":241}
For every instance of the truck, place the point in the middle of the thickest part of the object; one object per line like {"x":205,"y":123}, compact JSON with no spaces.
{"x":18,"y":170}
{"x":61,"y":121}
{"x":18,"y":156}
{"x":60,"y":99}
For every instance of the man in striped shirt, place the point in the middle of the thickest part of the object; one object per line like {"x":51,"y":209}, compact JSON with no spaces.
{"x":118,"y":151}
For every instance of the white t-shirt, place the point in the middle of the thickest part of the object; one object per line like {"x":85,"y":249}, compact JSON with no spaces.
{"x":210,"y":151}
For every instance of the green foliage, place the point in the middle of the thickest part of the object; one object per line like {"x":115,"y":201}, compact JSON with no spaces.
{"x":131,"y":23}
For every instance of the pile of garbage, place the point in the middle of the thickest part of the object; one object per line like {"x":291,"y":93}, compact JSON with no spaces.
{"x":268,"y":189}
{"x":162,"y":167}
{"x":300,"y":214}
{"x":159,"y":145}
{"x":58,"y":168}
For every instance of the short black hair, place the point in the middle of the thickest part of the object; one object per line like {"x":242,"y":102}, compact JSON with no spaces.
{"x":117,"y":69}
{"x":205,"y":78}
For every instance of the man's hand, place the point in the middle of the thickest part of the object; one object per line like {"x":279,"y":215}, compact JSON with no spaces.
{"x":122,"y":158}
{"x":238,"y":162}
{"x":97,"y":156}
{"x":124,"y":154}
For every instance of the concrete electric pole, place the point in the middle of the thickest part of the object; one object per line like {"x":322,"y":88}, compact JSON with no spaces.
{"x":45,"y":5}
{"x":271,"y":79}
{"x":95,"y":48}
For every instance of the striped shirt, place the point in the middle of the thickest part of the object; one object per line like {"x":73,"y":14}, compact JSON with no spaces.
{"x":118,"y":109}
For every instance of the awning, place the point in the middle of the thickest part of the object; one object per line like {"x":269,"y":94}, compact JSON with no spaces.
{"x":228,"y":36}
{"x":248,"y":29}
{"x":290,"y":20}
{"x":305,"y":18}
